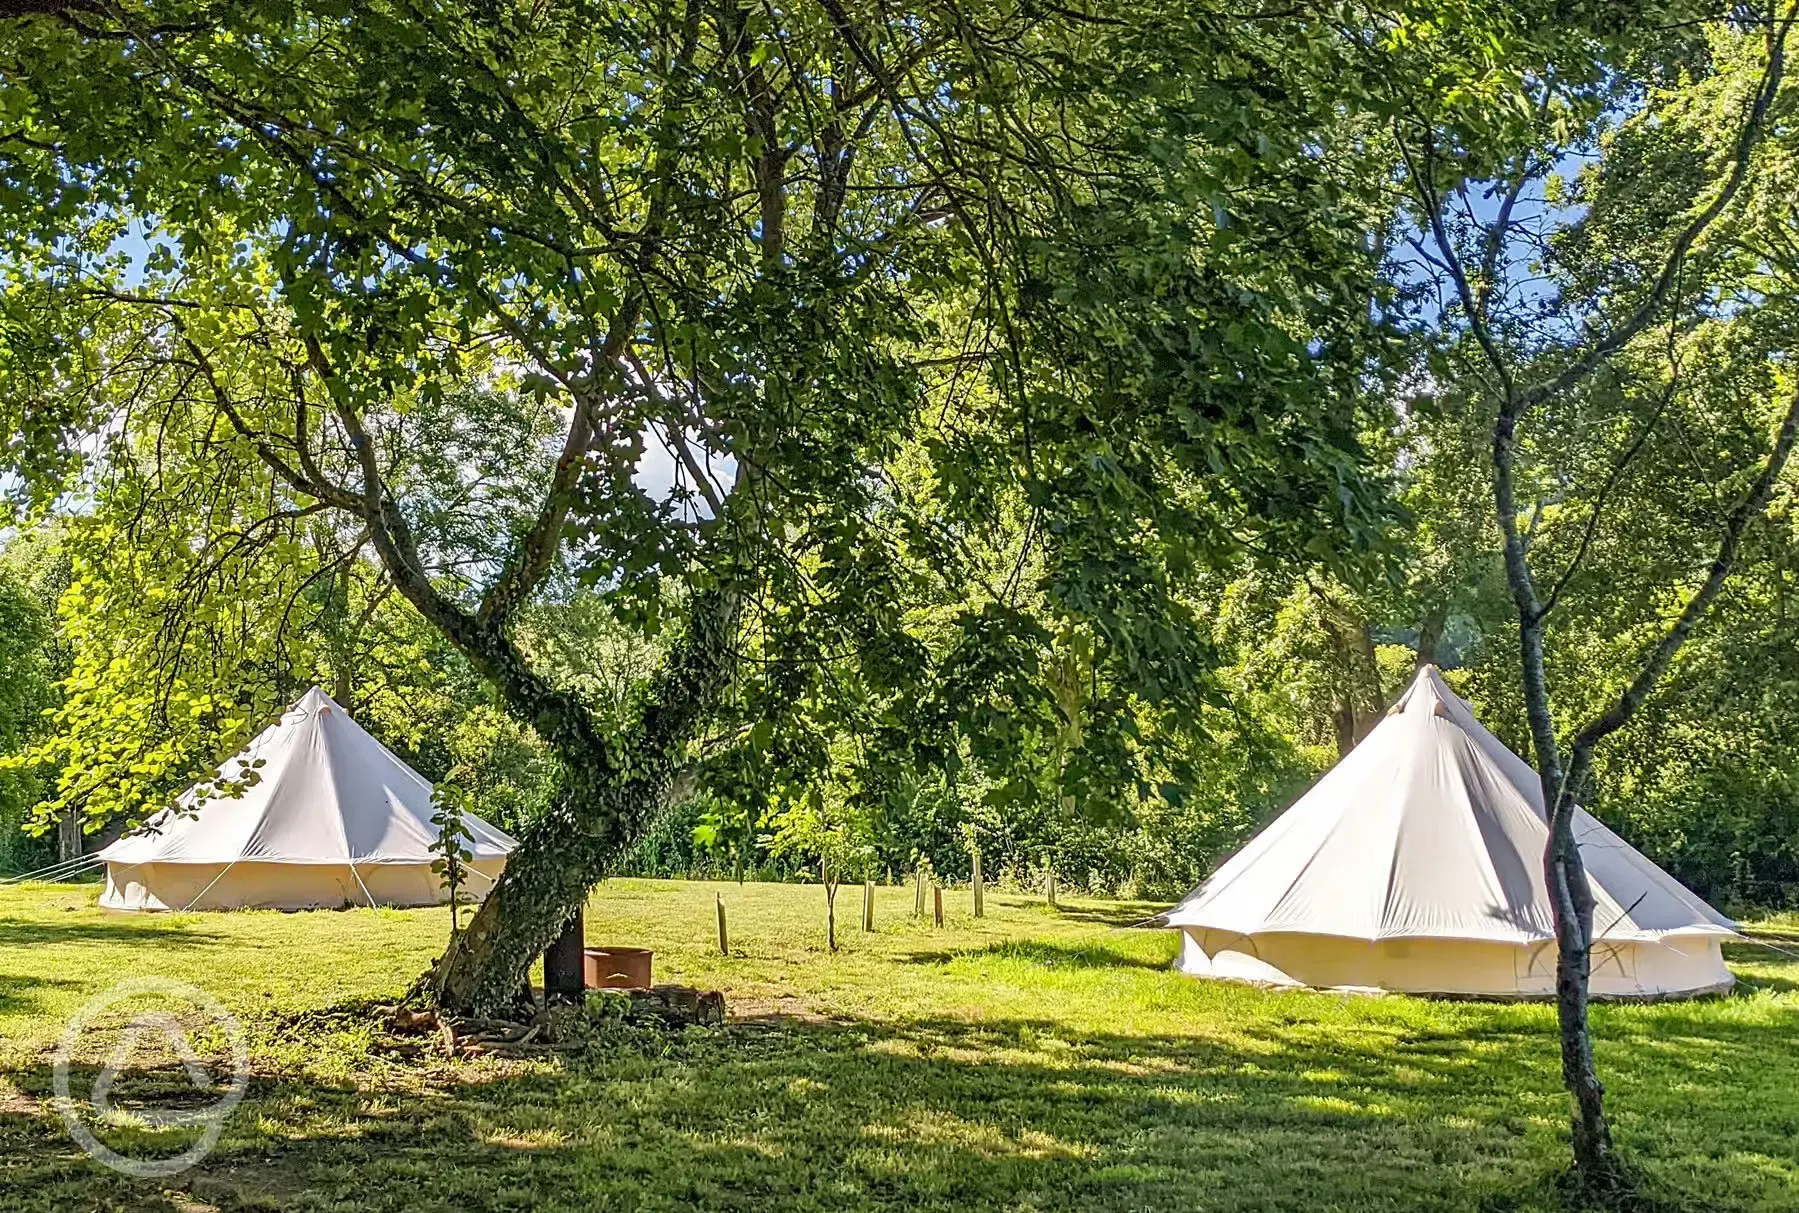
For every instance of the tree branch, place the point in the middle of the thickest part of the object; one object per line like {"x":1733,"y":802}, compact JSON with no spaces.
{"x":1611,"y":481}
{"x":1646,"y":311}
{"x":535,"y":551}
{"x":1424,"y":184}
{"x":318,"y":488}
{"x":1747,"y":510}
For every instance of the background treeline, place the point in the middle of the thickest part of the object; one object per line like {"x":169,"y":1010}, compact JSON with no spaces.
{"x":1709,"y":787}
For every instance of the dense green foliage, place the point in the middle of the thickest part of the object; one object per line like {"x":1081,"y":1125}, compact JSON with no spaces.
{"x":1149,"y":524}
{"x":33,"y":661}
{"x":788,"y":440}
{"x":1017,"y":303}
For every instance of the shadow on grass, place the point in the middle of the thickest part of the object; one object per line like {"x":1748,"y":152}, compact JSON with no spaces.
{"x":1116,"y":914}
{"x":1037,"y":952}
{"x":1748,"y":985}
{"x":15,"y":933}
{"x":18,"y":994}
{"x":932,"y":1114}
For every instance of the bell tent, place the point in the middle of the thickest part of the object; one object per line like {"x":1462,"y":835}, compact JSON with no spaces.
{"x":332,"y":819}
{"x":1416,"y":864}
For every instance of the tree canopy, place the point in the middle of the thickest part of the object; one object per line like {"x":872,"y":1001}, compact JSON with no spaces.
{"x":821,"y":438}
{"x":901,"y":304}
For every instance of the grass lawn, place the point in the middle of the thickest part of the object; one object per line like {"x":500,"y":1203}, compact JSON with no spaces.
{"x":1030,"y":1060}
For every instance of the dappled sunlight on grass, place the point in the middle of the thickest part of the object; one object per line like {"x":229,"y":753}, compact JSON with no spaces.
{"x":1028,"y":1060}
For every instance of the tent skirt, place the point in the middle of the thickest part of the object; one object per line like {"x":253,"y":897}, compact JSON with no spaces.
{"x":284,"y":886}
{"x":1677,"y":967}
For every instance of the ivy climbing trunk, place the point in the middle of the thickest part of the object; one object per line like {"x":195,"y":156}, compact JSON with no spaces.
{"x":1430,"y":635}
{"x":613,"y":789}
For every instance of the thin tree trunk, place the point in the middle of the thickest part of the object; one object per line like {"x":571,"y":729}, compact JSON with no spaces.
{"x":1572,"y":894}
{"x":1430,"y":636}
{"x":68,"y":836}
{"x":1571,"y":897}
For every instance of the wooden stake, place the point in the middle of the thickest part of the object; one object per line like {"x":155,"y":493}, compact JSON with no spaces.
{"x":868,"y":905}
{"x":918,"y":893}
{"x":724,"y":940}
{"x":937,"y":900}
{"x":1049,"y":888}
{"x":980,"y":888}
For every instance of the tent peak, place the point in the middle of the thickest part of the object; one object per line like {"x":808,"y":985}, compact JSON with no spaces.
{"x":316,"y":702}
{"x":1427,"y":691}
{"x":327,"y":792}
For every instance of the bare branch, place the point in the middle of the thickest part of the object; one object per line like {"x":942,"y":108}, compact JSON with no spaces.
{"x":1424,"y":183}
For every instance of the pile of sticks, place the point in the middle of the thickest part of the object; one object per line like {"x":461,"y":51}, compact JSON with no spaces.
{"x":411,"y":1032}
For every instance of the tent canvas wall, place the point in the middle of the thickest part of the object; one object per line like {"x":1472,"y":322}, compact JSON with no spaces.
{"x":333,"y":818}
{"x":1415,"y":864}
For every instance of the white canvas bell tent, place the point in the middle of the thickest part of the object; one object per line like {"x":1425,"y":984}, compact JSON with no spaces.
{"x":333,"y":819}
{"x":1416,"y":864}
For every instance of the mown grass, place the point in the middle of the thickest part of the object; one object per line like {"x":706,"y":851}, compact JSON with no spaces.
{"x":1032,"y":1060}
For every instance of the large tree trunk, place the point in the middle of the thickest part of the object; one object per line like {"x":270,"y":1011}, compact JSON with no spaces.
{"x":1376,"y":694}
{"x":545,"y":883}
{"x":1343,"y":724}
{"x":611,"y":794}
{"x":1358,"y":699}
